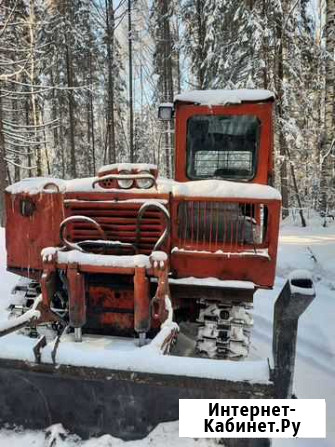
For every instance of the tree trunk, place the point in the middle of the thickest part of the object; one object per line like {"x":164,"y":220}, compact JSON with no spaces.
{"x":27,"y":121}
{"x":327,"y":144}
{"x":54,"y":115}
{"x":177,"y":51}
{"x":89,"y":103}
{"x":110,"y":75}
{"x":69,"y":71}
{"x":3,"y":169}
{"x":296,"y":189}
{"x":131,"y":110}
{"x":265,"y":47}
{"x":32,"y":76}
{"x":17,"y":173}
{"x":46,"y":151}
{"x":67,"y":11}
{"x":280,"y":112}
{"x":201,"y":43}
{"x":168,"y":82}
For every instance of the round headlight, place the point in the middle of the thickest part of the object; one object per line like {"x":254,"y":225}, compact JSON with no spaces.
{"x":145,"y":183}
{"x":125,"y":183}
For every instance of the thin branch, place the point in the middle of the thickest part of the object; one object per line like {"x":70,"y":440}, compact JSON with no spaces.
{"x":8,"y":123}
{"x":47,"y":87}
{"x":289,"y":14}
{"x":8,"y":18}
{"x":3,"y":64}
{"x":18,"y":165}
{"x":24,"y":154}
{"x":328,"y":152}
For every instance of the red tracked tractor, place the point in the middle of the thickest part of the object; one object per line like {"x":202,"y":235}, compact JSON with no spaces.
{"x":137,"y":290}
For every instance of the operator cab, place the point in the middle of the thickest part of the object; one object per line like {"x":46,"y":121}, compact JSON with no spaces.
{"x":223,"y":134}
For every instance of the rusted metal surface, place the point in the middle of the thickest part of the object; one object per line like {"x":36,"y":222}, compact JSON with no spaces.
{"x":230,"y":227}
{"x":77,"y":297}
{"x":142,"y":317}
{"x":119,"y":222}
{"x":27,"y":236}
{"x":249,"y":267}
{"x":208,"y":247}
{"x":110,"y":304}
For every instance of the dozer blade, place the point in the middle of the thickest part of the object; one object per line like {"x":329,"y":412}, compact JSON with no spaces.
{"x":97,"y":401}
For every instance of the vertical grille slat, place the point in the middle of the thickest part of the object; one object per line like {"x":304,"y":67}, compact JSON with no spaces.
{"x":198,"y":222}
{"x":213,"y":226}
{"x":217,"y":225}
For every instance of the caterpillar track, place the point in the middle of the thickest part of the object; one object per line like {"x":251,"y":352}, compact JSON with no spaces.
{"x":224,"y":331}
{"x":23,"y":296}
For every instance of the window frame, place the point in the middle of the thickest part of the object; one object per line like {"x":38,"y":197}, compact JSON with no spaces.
{"x":228,"y":178}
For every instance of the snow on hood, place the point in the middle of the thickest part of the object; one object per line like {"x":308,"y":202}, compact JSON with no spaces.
{"x":220,"y":189}
{"x":225,"y":189}
{"x":222,"y":97}
{"x":35,"y":185}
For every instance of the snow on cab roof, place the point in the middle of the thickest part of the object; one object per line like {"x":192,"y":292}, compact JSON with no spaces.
{"x":222,"y":97}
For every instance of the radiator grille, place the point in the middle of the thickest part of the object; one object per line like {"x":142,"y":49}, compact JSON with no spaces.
{"x":222,"y":226}
{"x":118,"y":220}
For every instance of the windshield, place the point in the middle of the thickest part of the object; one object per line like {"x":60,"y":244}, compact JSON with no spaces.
{"x":222,"y":146}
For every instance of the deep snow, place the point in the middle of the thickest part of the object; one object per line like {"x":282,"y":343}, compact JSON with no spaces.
{"x":315,"y":363}
{"x":312,"y":248}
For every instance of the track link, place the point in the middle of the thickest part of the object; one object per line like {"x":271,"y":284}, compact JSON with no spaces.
{"x":224,"y":330}
{"x":23,"y":295}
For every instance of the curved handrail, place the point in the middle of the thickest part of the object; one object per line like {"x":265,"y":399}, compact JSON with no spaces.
{"x":49,"y":184}
{"x":166,"y":233}
{"x":73,"y":245}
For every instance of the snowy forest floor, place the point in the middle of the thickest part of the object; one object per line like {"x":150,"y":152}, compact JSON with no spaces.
{"x":311,"y":248}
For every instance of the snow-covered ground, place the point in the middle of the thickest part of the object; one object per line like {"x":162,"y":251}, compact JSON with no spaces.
{"x":312,"y":248}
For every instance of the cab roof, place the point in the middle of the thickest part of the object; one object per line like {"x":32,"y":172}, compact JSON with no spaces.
{"x":224,"y":97}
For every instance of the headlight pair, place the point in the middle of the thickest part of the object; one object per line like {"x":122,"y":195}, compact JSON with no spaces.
{"x":146,"y":182}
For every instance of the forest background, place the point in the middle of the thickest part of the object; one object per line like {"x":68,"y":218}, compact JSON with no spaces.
{"x":81,"y":80}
